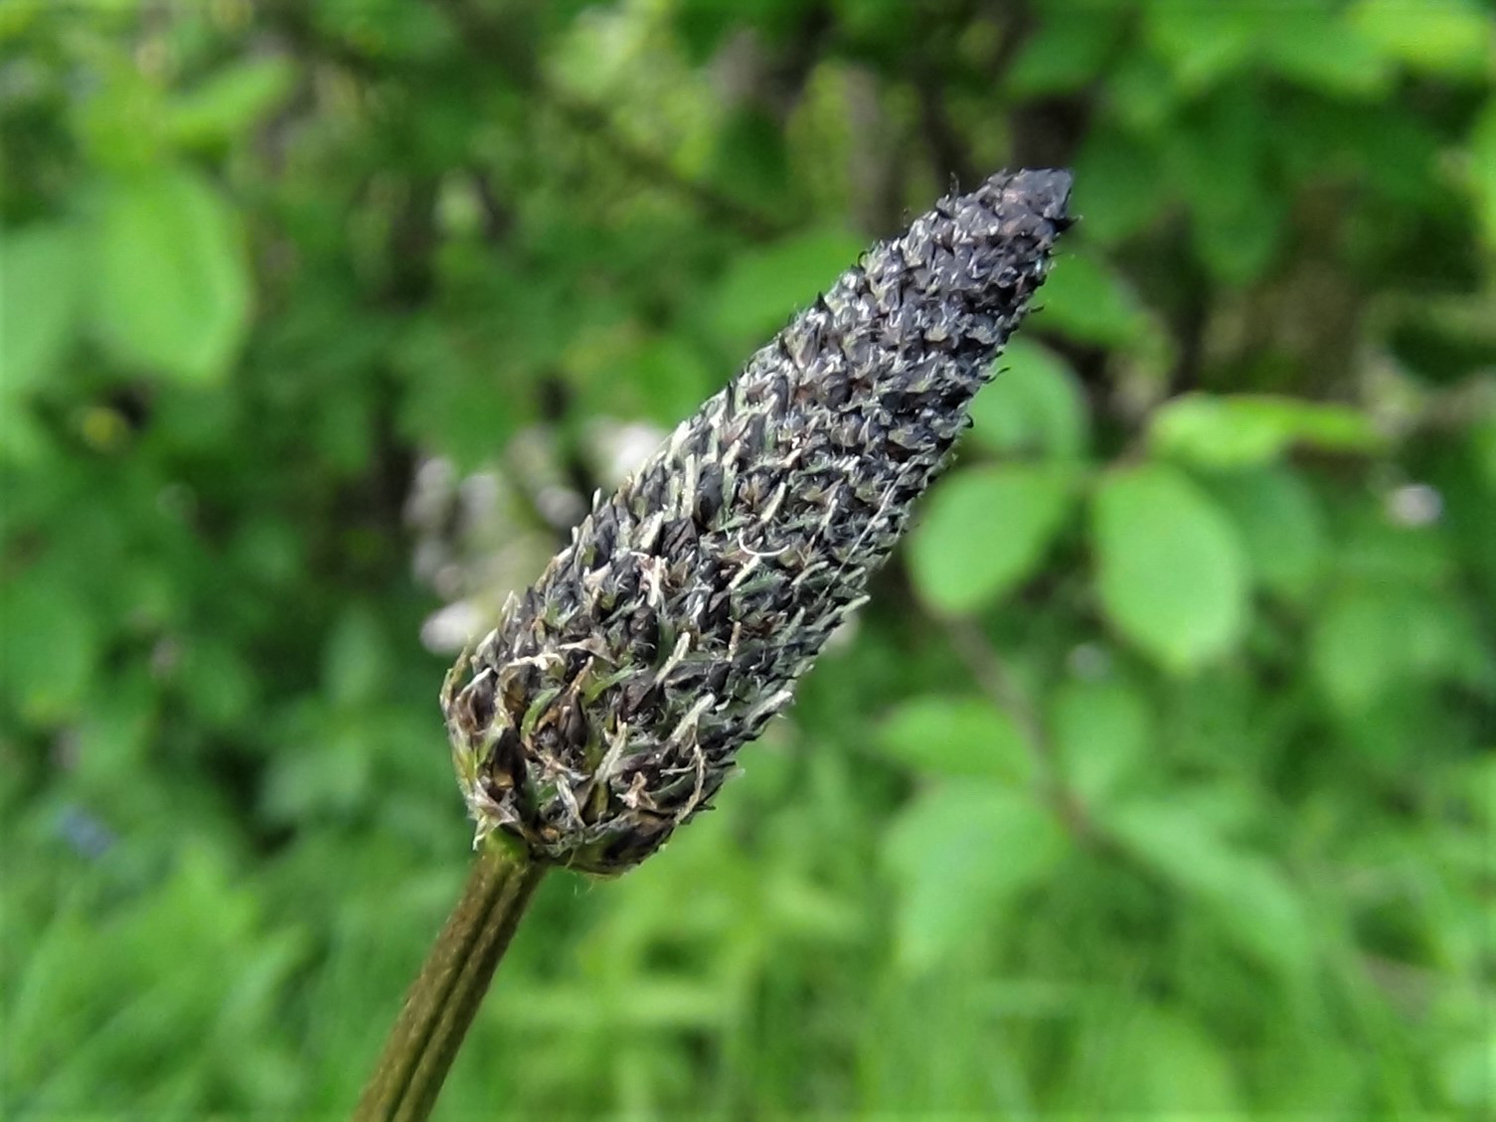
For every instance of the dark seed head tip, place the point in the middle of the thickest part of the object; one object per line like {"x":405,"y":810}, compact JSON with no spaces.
{"x":1045,"y":190}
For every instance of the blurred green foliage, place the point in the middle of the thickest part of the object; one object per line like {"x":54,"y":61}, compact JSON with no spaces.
{"x":1157,"y":778}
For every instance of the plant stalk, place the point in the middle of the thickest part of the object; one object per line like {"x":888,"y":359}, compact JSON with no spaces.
{"x":446,"y":994}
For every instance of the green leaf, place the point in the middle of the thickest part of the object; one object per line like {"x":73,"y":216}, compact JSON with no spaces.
{"x":230,"y":101}
{"x":1374,"y":547}
{"x":984,"y":531}
{"x":1172,"y":576}
{"x":219,"y":683}
{"x":1119,"y":185}
{"x":120,"y":128}
{"x":1248,"y":896}
{"x":22,"y":440}
{"x":1218,"y":154}
{"x":441,"y":365}
{"x":670,"y":375}
{"x":1063,"y":55}
{"x":1315,"y":46}
{"x":1372,"y":638}
{"x":750,"y":161}
{"x":1086,"y":301}
{"x":1305,"y":40}
{"x":334,"y":779}
{"x":764,"y":288}
{"x":355,"y":661}
{"x":50,"y":644}
{"x":955,"y":736}
{"x":173,"y":289}
{"x":1483,"y":451}
{"x":1465,"y":1069}
{"x":1483,"y":170}
{"x":1281,"y":526}
{"x":961,"y":854}
{"x":1435,"y":36}
{"x":703,"y":24}
{"x":1246,"y":430}
{"x":1142,"y":92}
{"x":1036,"y":405}
{"x":1203,"y":41}
{"x":40,"y":268}
{"x":1158,"y":1064}
{"x":1103,"y":732}
{"x":116,"y":731}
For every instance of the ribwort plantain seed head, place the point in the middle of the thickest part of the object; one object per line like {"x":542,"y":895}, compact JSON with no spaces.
{"x":608,"y":704}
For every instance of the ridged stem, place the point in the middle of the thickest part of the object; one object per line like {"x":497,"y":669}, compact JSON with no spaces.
{"x":446,"y":994}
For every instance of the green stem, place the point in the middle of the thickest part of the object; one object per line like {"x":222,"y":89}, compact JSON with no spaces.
{"x":446,"y":994}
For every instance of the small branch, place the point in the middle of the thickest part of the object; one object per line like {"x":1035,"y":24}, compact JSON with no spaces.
{"x":992,"y":678}
{"x":446,"y":995}
{"x":498,"y":216}
{"x":492,"y":47}
{"x":489,"y":39}
{"x":655,"y":167}
{"x":947,"y":147}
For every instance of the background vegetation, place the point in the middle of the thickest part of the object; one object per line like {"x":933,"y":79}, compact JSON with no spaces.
{"x":1157,"y":778}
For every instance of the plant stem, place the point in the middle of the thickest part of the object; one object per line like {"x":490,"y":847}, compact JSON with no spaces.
{"x":441,"y":1004}
{"x":992,"y":677}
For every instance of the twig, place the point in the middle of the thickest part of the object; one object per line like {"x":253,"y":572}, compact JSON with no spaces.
{"x":656,"y":167}
{"x":948,"y":148}
{"x":487,"y":38}
{"x":992,"y":677}
{"x":496,"y":60}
